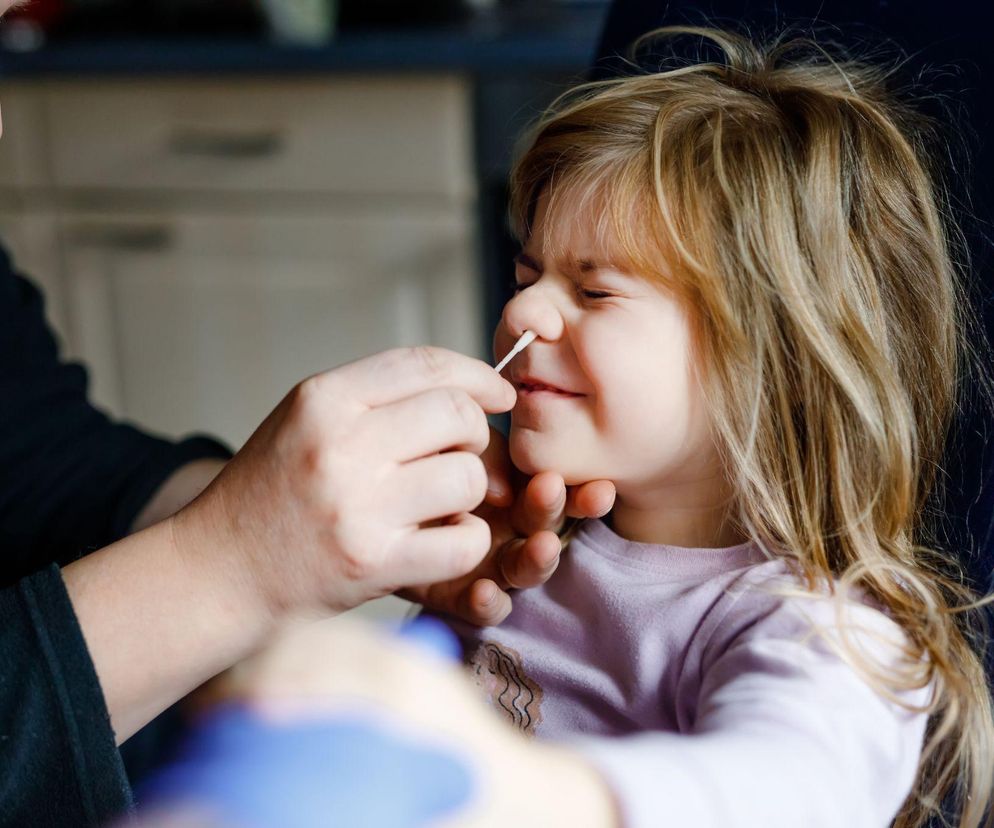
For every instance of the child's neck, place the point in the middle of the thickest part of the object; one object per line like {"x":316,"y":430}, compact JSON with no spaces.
{"x":682,"y":521}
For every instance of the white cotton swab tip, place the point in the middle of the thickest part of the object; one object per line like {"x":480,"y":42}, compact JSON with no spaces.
{"x":523,"y":342}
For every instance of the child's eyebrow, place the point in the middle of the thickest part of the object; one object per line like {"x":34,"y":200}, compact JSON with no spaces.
{"x":584,"y":267}
{"x":569,"y":265}
{"x":581,"y":265}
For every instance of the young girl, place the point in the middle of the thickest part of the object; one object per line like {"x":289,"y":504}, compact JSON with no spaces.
{"x":747,"y":318}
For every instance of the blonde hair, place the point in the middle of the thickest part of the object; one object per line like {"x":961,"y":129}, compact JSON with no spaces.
{"x":788,"y":199}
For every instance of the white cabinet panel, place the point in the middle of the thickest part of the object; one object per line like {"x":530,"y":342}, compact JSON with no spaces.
{"x":194,"y":322}
{"x":399,"y":135}
{"x":23,"y":150}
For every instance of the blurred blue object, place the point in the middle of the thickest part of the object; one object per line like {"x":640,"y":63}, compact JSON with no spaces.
{"x":327,"y":770}
{"x":432,"y":635}
{"x":247,"y":771}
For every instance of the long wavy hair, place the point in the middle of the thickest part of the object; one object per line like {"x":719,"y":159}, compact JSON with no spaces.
{"x":789,"y":199}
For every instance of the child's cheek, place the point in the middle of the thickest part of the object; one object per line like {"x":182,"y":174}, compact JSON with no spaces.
{"x":610,"y":362}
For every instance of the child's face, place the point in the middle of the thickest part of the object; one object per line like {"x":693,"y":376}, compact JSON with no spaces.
{"x":606,"y":391}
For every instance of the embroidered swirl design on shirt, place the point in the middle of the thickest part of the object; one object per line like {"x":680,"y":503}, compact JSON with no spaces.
{"x":498,"y":672}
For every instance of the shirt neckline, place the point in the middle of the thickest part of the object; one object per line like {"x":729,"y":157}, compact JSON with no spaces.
{"x":675,"y":562}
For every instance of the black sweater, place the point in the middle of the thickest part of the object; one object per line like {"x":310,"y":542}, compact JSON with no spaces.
{"x":71,"y":481}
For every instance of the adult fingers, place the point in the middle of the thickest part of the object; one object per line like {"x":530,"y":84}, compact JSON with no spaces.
{"x":441,"y":553}
{"x":541,"y":506}
{"x":497,"y":462}
{"x":439,"y":419}
{"x":434,"y":487}
{"x":590,"y":500}
{"x":403,"y":372}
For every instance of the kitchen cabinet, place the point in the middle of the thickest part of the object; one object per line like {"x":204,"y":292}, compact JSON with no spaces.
{"x":364,"y":136}
{"x":206,"y":243}
{"x":24,"y":149}
{"x":204,"y":320}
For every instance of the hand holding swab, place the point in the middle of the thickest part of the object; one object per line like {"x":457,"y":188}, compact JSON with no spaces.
{"x":523,"y":342}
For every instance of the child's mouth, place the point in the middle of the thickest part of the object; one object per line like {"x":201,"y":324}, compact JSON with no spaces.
{"x":532,"y":388}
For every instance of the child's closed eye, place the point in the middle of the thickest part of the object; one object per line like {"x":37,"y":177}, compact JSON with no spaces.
{"x":588,"y":293}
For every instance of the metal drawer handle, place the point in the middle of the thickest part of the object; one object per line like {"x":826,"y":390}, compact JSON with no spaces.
{"x":151,"y":238}
{"x":230,"y":145}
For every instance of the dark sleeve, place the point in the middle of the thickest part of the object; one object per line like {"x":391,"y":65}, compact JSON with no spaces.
{"x":57,"y":749}
{"x":71,"y":479}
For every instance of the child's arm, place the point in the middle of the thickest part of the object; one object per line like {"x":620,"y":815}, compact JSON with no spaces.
{"x":786,"y":734}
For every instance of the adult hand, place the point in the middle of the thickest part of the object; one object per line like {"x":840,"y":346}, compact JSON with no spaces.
{"x":525,"y":517}
{"x":361,"y":481}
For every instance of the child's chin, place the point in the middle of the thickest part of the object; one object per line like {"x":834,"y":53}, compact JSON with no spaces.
{"x":530,"y":457}
{"x":524,"y":459}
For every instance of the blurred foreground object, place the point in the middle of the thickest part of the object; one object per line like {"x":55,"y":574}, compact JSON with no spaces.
{"x":241,"y":768}
{"x":283,"y":757}
{"x":336,"y":724}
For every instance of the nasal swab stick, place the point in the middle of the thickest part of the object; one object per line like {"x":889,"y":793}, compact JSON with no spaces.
{"x":526,"y":339}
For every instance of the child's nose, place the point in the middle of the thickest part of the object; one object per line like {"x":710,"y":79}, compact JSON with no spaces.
{"x":533,"y":309}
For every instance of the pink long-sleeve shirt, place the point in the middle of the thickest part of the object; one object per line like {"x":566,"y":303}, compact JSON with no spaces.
{"x":706,"y":696}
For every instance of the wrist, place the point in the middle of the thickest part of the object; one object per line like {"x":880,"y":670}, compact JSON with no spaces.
{"x":181,"y":487}
{"x":227,"y":572}
{"x":166,"y":585}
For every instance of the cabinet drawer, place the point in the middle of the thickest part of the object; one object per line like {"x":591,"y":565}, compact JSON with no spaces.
{"x":366,"y":135}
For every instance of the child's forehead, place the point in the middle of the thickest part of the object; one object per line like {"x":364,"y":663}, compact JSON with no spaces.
{"x":571,"y":233}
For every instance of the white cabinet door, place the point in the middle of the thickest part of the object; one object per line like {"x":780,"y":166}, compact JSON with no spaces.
{"x":202,"y":322}
{"x":24,"y":147}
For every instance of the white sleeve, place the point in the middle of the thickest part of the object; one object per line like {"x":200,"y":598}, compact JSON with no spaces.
{"x":786,"y":735}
